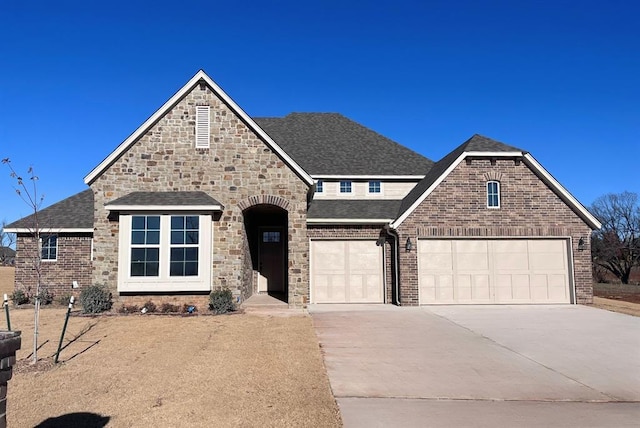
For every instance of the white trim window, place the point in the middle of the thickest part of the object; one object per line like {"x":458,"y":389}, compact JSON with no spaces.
{"x":346,"y":186}
{"x":164,"y":252}
{"x":49,"y":250}
{"x":374,"y":187}
{"x":320,"y":186}
{"x":493,"y":194}
{"x":203,"y":127}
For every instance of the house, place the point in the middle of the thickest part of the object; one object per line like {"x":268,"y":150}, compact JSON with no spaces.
{"x":7,"y":256}
{"x":312,"y":208}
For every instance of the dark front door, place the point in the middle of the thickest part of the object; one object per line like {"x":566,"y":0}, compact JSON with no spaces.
{"x":271,"y":260}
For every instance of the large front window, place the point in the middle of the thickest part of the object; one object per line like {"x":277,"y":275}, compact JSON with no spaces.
{"x":165,"y":252}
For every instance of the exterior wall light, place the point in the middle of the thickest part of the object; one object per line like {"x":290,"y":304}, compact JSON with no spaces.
{"x":409,"y":245}
{"x":581,"y":245}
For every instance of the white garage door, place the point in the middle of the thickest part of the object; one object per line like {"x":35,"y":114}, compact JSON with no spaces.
{"x":346,"y":272}
{"x":477,"y":271}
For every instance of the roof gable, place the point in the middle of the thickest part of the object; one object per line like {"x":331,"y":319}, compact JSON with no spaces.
{"x":200,"y":76}
{"x":479,"y":146}
{"x":329,"y":144}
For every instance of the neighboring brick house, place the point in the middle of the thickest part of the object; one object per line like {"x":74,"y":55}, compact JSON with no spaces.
{"x":311,"y":208}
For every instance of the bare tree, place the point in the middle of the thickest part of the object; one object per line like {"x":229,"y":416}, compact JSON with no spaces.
{"x":6,"y":241}
{"x":29,"y":194}
{"x":616,"y":246}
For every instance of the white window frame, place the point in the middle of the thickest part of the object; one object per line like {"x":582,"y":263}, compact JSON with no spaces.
{"x":349,"y":182}
{"x":44,"y":239}
{"x":164,"y":282}
{"x":203,"y":127}
{"x":373,"y":182}
{"x":320,"y":186}
{"x":491,"y":194}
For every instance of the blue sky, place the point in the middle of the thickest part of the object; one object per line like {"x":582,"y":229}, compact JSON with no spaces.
{"x":559,"y":78}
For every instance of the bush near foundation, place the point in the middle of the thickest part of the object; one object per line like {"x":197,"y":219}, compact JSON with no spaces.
{"x":95,"y":299}
{"x":221,"y":301}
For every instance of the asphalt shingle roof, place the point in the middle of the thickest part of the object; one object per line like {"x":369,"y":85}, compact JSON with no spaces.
{"x":353,"y":209}
{"x":165,"y":198}
{"x":477,"y":143}
{"x":331,"y":144}
{"x":74,"y":212}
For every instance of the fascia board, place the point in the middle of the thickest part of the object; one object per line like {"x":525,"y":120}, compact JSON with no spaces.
{"x":593,"y":222}
{"x":164,"y":207}
{"x":367,"y":177}
{"x":50,"y":230}
{"x":395,"y":224}
{"x":170,"y":103}
{"x":494,"y":154}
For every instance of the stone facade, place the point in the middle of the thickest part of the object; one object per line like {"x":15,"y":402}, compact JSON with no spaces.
{"x":529,"y":208}
{"x":73,"y":264}
{"x":238,"y":166}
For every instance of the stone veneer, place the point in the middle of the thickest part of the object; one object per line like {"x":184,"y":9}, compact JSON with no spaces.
{"x":529,"y":208}
{"x":239,"y":167}
{"x":73,"y":264}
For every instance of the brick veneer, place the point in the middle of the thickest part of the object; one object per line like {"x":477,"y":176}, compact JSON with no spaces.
{"x":73,"y":264}
{"x":529,"y":208}
{"x":238,"y":167}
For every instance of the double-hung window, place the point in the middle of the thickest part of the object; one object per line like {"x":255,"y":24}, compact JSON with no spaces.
{"x":49,"y":247}
{"x":145,"y":245}
{"x":184,"y":245}
{"x":493,"y":194}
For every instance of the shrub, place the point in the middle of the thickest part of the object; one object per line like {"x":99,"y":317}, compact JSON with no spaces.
{"x":95,"y":299}
{"x":46,"y":297}
{"x":221,"y":301}
{"x":166,"y":308}
{"x":149,"y":306}
{"x":19,"y":297}
{"x":128,"y":309}
{"x":63,"y":299}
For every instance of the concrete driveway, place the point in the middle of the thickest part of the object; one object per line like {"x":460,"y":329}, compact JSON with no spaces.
{"x":481,"y":365}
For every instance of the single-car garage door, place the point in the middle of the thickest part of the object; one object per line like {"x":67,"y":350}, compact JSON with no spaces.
{"x":346,"y":272}
{"x":476,"y":271}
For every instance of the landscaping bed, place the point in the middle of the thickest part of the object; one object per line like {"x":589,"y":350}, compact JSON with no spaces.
{"x":200,"y":371}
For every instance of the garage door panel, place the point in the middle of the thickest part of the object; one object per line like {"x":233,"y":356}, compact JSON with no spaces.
{"x":346,"y":271}
{"x":494,"y":271}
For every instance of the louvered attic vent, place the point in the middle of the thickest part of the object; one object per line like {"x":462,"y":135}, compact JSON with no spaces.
{"x":203,"y":127}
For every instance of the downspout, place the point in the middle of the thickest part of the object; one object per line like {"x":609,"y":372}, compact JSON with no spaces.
{"x":396,"y":267}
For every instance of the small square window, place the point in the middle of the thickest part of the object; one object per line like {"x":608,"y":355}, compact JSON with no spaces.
{"x":493,"y":194}
{"x":375,"y":186}
{"x":345,"y":187}
{"x":320,"y":186}
{"x":271,"y":236}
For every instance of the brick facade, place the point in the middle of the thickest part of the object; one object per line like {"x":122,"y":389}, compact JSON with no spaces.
{"x":73,"y":264}
{"x":237,"y":167}
{"x":529,"y":208}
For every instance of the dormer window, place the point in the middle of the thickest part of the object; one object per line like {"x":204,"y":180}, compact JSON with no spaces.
{"x":493,"y":194}
{"x":345,"y":186}
{"x":203,"y":127}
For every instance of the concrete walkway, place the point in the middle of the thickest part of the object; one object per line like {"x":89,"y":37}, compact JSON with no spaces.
{"x":481,"y":365}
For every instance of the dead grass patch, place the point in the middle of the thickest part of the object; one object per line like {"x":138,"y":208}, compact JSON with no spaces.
{"x":201,"y":371}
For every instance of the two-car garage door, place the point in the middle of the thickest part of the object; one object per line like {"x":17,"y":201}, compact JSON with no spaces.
{"x":477,"y":271}
{"x":346,"y":271}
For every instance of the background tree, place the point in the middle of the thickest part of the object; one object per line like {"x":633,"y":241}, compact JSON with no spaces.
{"x":28,"y":192}
{"x":616,"y":246}
{"x":6,"y":241}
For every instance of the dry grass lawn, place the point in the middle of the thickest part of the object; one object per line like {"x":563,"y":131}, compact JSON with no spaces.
{"x":168,"y":371}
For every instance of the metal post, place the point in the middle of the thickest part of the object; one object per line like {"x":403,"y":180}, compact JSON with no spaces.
{"x":6,"y":311}
{"x":64,"y":329}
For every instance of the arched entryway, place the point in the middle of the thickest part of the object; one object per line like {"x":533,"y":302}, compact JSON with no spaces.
{"x":267,"y":238}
